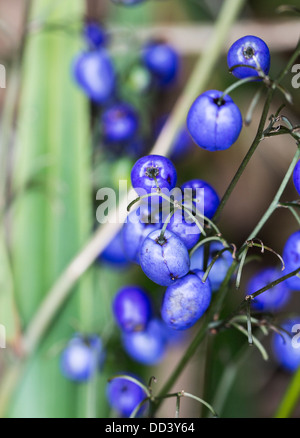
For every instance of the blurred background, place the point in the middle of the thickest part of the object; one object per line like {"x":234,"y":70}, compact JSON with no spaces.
{"x":53,"y":161}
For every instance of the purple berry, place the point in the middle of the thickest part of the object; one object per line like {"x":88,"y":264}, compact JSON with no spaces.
{"x":207,"y":200}
{"x":124,"y":395}
{"x":82,"y":357}
{"x":119,"y":123}
{"x":273,"y":299}
{"x":212,"y":124}
{"x":185,"y":228}
{"x":95,"y":74}
{"x":186,"y":301}
{"x":220,"y":267}
{"x":94,"y":35}
{"x":296,"y":177}
{"x":247,"y":50}
{"x":291,"y":257}
{"x":132,"y":309}
{"x":162,"y":60}
{"x":164,"y":260}
{"x":139,"y":224}
{"x":114,"y":253}
{"x":286,"y":350}
{"x":147,"y":347}
{"x":150,"y":166}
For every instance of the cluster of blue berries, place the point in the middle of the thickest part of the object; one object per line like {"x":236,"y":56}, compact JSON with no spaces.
{"x":214,"y":120}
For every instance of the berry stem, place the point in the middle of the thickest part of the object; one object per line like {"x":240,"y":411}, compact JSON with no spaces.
{"x":234,"y":86}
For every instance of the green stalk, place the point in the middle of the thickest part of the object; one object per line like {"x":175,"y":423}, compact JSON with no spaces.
{"x":290,"y":398}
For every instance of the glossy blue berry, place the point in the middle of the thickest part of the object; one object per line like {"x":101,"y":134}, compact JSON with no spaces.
{"x":162,"y":60}
{"x":147,"y":347}
{"x":94,"y":34}
{"x":291,"y":257}
{"x":185,"y":228}
{"x":273,"y":299}
{"x":132,"y":309}
{"x":286,"y":350}
{"x":220,"y":267}
{"x":249,"y":50}
{"x":164,"y":260}
{"x":94,"y":72}
{"x":206,"y":201}
{"x":114,"y":253}
{"x":296,"y":177}
{"x":124,"y":395}
{"x":82,"y":357}
{"x":212,"y":124}
{"x":186,"y":301}
{"x":119,"y":123}
{"x":150,"y":166}
{"x":139,"y":224}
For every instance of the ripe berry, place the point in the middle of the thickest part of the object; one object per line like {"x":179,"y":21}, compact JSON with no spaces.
{"x":212,"y":124}
{"x":153,"y":166}
{"x":95,"y":74}
{"x":186,"y":301}
{"x":296,"y":177}
{"x":185,"y":228}
{"x":132,"y":309}
{"x":162,"y":61}
{"x":119,"y":123}
{"x":164,"y":260}
{"x":273,"y":299}
{"x":139,"y":224}
{"x":286,"y":350}
{"x":291,"y":257}
{"x":94,"y":35}
{"x":114,"y":253}
{"x":124,"y":395}
{"x":82,"y":357}
{"x":220,"y":267}
{"x":249,"y":50}
{"x":147,"y":347}
{"x":206,"y":203}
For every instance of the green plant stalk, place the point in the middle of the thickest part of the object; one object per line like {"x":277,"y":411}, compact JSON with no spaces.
{"x":290,"y":398}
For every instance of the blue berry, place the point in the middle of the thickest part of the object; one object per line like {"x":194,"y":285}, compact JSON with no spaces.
{"x":147,"y":347}
{"x":287,"y":351}
{"x":186,"y":301}
{"x":124,"y":395}
{"x":273,"y":299}
{"x":212,"y":124}
{"x":291,"y":257}
{"x":95,"y":74}
{"x":82,"y":357}
{"x":220,"y":267}
{"x":296,"y":177}
{"x":151,"y":166}
{"x":206,"y":203}
{"x":247,"y":50}
{"x":162,"y":61}
{"x":132,"y":308}
{"x":139,"y":224}
{"x":114,"y":253}
{"x":119,"y":123}
{"x":94,"y":35}
{"x":166,"y":260}
{"x":185,"y":228}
